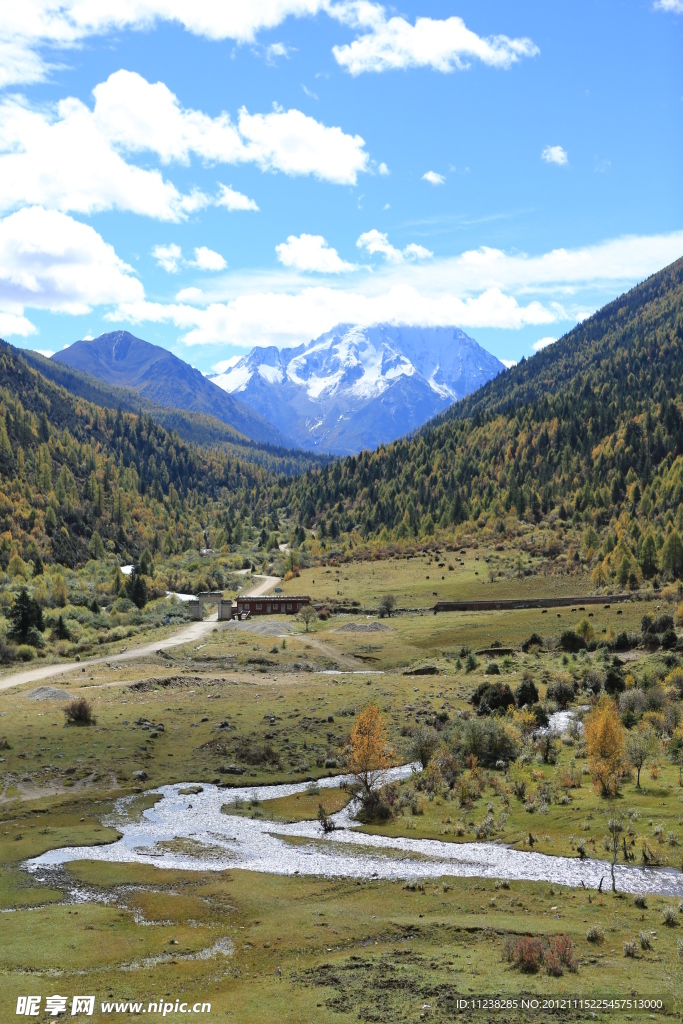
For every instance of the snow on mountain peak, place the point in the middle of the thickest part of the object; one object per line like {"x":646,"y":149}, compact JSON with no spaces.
{"x":356,"y":387}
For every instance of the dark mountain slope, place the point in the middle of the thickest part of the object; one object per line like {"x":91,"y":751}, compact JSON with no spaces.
{"x":193,"y":427}
{"x":121,"y":359}
{"x":598,"y":345}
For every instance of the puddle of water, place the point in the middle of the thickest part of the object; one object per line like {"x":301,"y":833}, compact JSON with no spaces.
{"x":179,"y":831}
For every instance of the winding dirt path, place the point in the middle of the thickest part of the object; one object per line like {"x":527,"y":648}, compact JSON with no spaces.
{"x":187,"y":634}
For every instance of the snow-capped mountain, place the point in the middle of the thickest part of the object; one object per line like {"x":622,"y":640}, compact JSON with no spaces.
{"x":357,"y":387}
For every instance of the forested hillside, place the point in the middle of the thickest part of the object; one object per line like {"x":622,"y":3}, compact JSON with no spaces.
{"x":589,"y":430}
{"x":69,"y":469}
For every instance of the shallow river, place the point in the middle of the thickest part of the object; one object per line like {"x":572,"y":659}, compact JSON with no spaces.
{"x":191,"y":832}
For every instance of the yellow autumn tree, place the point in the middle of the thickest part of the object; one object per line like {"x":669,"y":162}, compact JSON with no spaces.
{"x":605,"y":745}
{"x":368,"y":754}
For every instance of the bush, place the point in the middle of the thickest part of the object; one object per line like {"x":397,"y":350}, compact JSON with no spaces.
{"x":561,"y":690}
{"x":490,"y":697}
{"x":571,"y":642}
{"x":526,"y":954}
{"x":614,"y":681}
{"x":645,"y":941}
{"x":79,"y":712}
{"x":526,"y":693}
{"x":25,"y":652}
{"x":470,"y":662}
{"x":560,"y":954}
{"x":492,"y":669}
{"x":631,"y":948}
{"x":7,"y":653}
{"x":534,"y":641}
{"x":387,"y":605}
{"x":669,"y":916}
{"x":640,"y":902}
{"x":375,"y":806}
{"x":488,"y":739}
{"x":424,"y":743}
{"x":595,"y":934}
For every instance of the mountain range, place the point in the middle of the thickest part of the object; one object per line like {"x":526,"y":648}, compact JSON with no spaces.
{"x":123,"y":360}
{"x":355,"y":388}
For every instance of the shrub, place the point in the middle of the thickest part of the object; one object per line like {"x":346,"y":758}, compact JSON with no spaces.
{"x":560,"y":954}
{"x":631,"y":948}
{"x":571,"y":642}
{"x":595,"y":934}
{"x":669,"y":916}
{"x":534,"y":641}
{"x":526,"y":954}
{"x":614,"y":681}
{"x":640,"y":902}
{"x":25,"y":652}
{"x":645,"y":941}
{"x":387,"y":605}
{"x":561,"y":690}
{"x":526,"y":693}
{"x":424,"y":743}
{"x":470,"y":663}
{"x":325,"y":820}
{"x":79,"y":712}
{"x":490,"y":697}
{"x":488,"y":739}
{"x":492,"y":669}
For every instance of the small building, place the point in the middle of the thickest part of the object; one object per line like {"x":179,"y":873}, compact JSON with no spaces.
{"x":274,"y":605}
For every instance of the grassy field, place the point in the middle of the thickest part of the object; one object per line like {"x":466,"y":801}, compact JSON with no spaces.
{"x":274,"y":703}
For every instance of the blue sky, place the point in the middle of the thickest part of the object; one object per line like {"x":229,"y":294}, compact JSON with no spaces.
{"x":214,"y":175}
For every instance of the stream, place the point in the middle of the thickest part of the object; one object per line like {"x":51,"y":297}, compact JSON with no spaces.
{"x":190,"y":832}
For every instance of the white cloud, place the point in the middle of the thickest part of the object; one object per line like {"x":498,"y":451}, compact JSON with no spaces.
{"x":190,"y":295}
{"x":433,"y":178}
{"x":311,"y":253}
{"x":296,"y":144}
{"x":86,"y":337}
{"x":49,"y":261}
{"x":47,"y":352}
{"x":207,"y":259}
{"x":672,"y":6}
{"x":445,"y":45}
{"x":383,"y":169}
{"x":233,"y":200}
{"x":509,"y":363}
{"x":375,"y":242}
{"x":71,"y":158}
{"x":484,"y":288}
{"x":543,"y":343}
{"x":12,"y":324}
{"x":276,"y":50}
{"x":555,"y":155}
{"x":31,"y":25}
{"x":168,"y":257}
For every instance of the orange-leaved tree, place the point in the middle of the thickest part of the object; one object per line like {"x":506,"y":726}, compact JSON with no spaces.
{"x":368,"y":755}
{"x":605,"y":743}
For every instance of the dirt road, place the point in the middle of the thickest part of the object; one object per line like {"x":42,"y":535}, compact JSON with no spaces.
{"x":186,"y":635}
{"x":260,"y":589}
